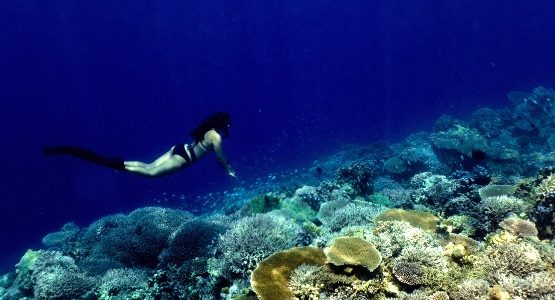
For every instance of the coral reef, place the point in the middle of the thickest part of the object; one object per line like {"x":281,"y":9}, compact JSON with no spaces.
{"x":464,"y":212}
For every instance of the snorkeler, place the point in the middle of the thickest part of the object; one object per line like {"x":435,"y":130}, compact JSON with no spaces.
{"x":207,"y":137}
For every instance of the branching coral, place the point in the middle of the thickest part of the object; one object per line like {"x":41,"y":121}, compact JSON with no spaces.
{"x":351,"y":215}
{"x":119,"y":282}
{"x":518,"y":259}
{"x":304,"y":282}
{"x":472,"y":289}
{"x":254,"y":238}
{"x":500,"y":207}
{"x":392,"y":236}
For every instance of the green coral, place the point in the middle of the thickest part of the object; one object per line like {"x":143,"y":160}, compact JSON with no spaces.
{"x":264,"y":203}
{"x":24,"y":270}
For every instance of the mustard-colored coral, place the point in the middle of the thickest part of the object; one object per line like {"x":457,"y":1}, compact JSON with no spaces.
{"x":270,"y":279}
{"x":353,"y":251}
{"x":422,"y":220}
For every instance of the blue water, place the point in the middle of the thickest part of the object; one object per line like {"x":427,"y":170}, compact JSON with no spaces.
{"x":300,"y":79}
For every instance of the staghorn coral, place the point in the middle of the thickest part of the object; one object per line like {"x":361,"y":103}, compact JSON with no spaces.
{"x":439,"y":296}
{"x":353,"y":251}
{"x":305,"y":282}
{"x":57,"y":283}
{"x":119,"y":283}
{"x":243,"y":247}
{"x":270,"y":280}
{"x":327,"y":210}
{"x":424,"y":255}
{"x":357,"y":213}
{"x":518,"y":259}
{"x":499,"y":207}
{"x":519,"y":227}
{"x":540,"y":285}
{"x":392,"y":236}
{"x":98,"y":266}
{"x":471,"y":289}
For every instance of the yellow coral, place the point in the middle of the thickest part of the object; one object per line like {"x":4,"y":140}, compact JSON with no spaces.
{"x":353,"y":251}
{"x":271,"y":278}
{"x":422,"y":220}
{"x":501,"y":238}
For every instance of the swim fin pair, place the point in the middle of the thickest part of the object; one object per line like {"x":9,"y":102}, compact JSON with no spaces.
{"x":82,"y":153}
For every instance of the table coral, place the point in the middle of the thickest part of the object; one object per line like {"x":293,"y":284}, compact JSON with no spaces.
{"x":270,"y":280}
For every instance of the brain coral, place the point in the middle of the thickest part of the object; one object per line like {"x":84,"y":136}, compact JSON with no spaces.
{"x":353,"y":251}
{"x":270,"y":279}
{"x":422,"y":220}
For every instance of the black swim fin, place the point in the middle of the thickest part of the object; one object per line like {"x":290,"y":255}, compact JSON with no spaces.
{"x":114,"y":163}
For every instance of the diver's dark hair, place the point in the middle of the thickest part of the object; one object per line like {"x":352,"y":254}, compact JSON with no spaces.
{"x":220,"y":121}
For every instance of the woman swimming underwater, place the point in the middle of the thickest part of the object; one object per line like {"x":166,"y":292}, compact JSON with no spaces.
{"x":207,"y":137}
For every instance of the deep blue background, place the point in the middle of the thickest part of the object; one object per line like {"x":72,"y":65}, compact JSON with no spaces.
{"x":300,"y":78}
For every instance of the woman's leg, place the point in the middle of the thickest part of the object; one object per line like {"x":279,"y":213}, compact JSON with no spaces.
{"x":163,"y":165}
